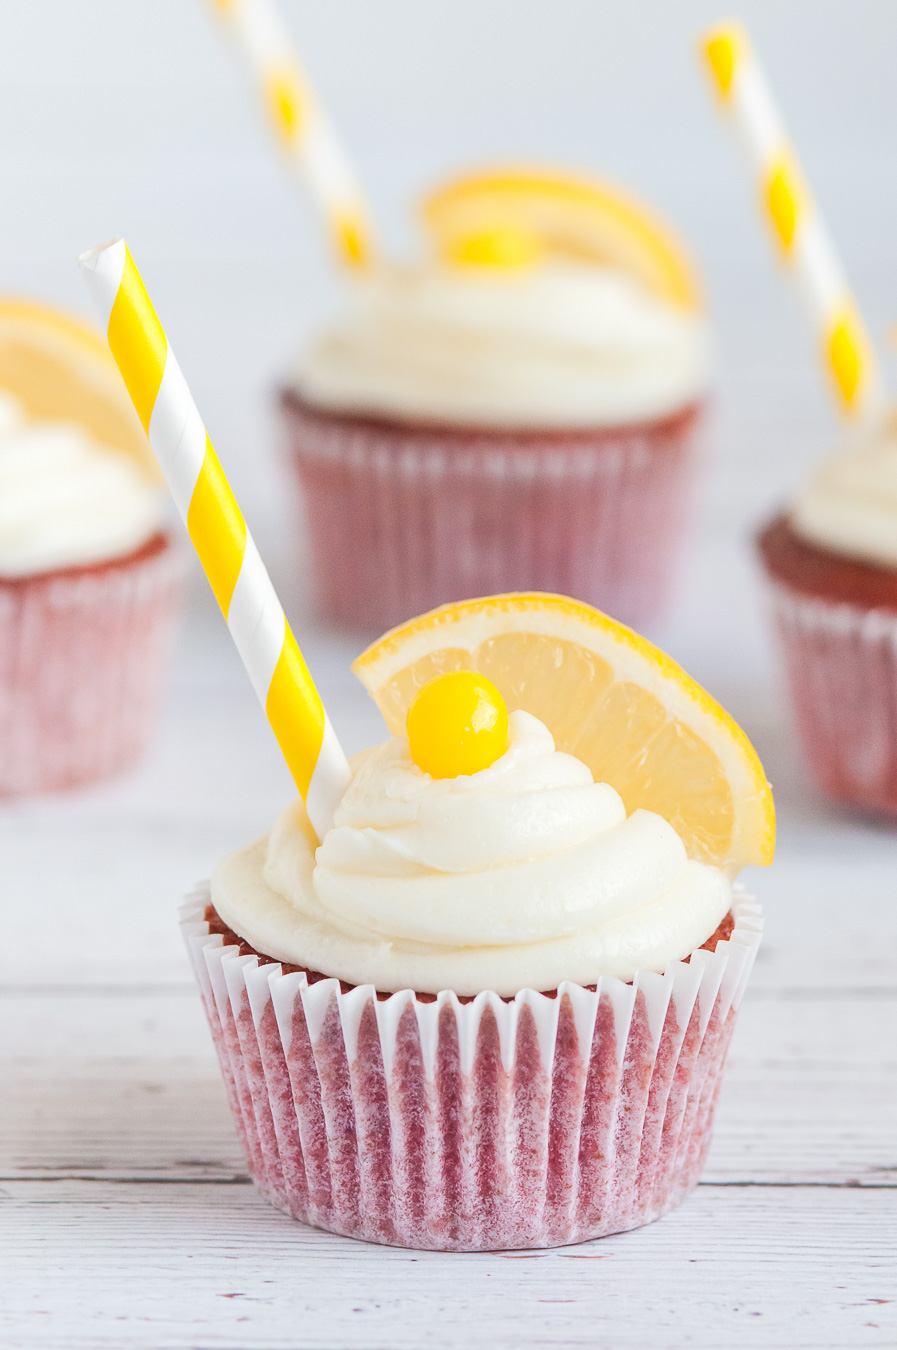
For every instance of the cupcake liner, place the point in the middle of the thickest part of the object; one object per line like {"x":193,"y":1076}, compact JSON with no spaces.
{"x":841,"y":662}
{"x":82,"y":660}
{"x":470,"y":1126}
{"x":403,"y":518}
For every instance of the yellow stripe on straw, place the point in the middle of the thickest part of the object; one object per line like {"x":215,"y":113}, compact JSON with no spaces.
{"x":218,"y":531}
{"x":782,"y":199}
{"x":287,"y":105}
{"x":137,"y":342}
{"x":722,"y":49}
{"x":845,"y":348}
{"x":302,"y":127}
{"x":296,"y":714}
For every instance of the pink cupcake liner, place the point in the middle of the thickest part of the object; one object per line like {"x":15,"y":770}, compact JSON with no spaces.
{"x":841,"y":662}
{"x":490,"y":1124}
{"x":82,"y":661}
{"x":405,"y":518}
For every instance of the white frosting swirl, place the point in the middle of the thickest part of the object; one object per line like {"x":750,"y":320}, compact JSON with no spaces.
{"x":553,"y":345}
{"x":850,"y":503}
{"x":521,"y":876}
{"x":64,"y":499}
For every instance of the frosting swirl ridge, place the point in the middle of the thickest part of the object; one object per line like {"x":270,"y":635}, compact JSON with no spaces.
{"x":552,"y":345}
{"x":525,"y":874}
{"x":849,"y":504}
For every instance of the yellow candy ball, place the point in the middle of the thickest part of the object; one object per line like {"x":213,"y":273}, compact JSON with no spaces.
{"x":502,"y":246}
{"x":457,"y":724}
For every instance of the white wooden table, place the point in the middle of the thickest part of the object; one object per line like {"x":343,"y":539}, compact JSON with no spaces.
{"x":127,"y":1219}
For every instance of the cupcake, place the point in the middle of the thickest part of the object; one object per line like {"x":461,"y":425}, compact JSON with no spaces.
{"x":518,"y":411}
{"x":491,"y":1008}
{"x":831,"y":562}
{"x":88,"y":575}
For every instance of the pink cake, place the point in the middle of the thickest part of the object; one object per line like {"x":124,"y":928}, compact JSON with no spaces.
{"x":469,"y":1125}
{"x":83,"y":652}
{"x":89,"y":577}
{"x":405,"y":516}
{"x":836,"y":618}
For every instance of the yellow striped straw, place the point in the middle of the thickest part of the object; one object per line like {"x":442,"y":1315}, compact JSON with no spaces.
{"x":798,"y":229}
{"x":302,"y":126}
{"x":216,"y":526}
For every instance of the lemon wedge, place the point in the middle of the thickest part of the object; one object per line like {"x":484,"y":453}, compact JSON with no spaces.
{"x":609,"y":697}
{"x":571,"y":216}
{"x":62,"y":370}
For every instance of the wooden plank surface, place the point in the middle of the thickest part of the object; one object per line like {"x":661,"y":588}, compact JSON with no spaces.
{"x":188,"y":1265}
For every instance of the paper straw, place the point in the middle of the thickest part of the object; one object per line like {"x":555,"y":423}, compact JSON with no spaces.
{"x":302,"y":126}
{"x":800,"y":233}
{"x":216,"y":526}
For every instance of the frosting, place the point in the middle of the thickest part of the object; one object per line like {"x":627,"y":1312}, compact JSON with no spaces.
{"x":522,"y":875}
{"x":555,"y":344}
{"x":64,"y":499}
{"x":850,"y":503}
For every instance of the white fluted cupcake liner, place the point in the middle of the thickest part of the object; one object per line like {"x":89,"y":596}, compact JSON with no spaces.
{"x":402,"y":518}
{"x":841,"y":662}
{"x":83,"y":654}
{"x":479,"y":1125}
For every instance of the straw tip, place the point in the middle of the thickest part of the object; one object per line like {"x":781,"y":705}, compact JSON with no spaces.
{"x":722,"y":47}
{"x":91,"y":257}
{"x":732,"y":30}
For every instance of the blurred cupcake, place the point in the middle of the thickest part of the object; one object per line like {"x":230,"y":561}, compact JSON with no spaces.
{"x":832,"y":563}
{"x":491,"y":1009}
{"x":88,"y":575}
{"x":517,"y":413}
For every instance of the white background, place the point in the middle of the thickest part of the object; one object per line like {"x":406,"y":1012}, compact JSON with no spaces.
{"x":137,"y":117}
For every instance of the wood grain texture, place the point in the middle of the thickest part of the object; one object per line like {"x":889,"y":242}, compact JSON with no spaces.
{"x":213,"y":1266}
